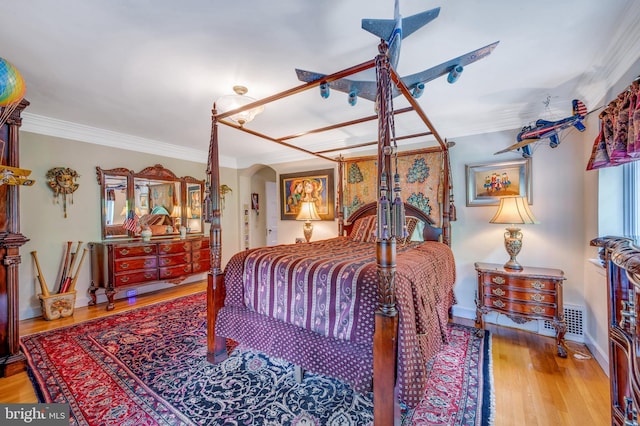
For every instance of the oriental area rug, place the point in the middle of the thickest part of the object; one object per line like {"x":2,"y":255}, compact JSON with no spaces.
{"x":148,"y":366}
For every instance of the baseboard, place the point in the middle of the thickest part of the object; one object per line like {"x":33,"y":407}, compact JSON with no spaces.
{"x":601,"y":355}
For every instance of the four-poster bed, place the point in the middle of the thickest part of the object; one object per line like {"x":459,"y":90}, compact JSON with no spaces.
{"x":368,"y":303}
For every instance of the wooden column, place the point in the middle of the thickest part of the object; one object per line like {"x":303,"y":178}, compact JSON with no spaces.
{"x":12,"y":361}
{"x":216,"y":346}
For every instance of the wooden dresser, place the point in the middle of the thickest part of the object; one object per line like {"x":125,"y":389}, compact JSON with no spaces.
{"x":622,"y":261}
{"x":524,"y":295}
{"x":120,"y":265}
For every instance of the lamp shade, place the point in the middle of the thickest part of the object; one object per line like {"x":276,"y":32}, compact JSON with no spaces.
{"x":231,"y":102}
{"x":308,"y":211}
{"x":514,"y":210}
{"x":176,"y":211}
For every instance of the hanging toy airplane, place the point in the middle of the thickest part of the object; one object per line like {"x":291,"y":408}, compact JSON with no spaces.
{"x":548,"y":129}
{"x":392,"y":31}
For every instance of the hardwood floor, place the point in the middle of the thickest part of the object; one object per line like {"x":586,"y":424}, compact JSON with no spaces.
{"x":532,"y":385}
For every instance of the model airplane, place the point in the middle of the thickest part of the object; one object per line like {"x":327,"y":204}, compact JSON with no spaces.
{"x":15,"y":176}
{"x":392,"y":31}
{"x":544,"y":129}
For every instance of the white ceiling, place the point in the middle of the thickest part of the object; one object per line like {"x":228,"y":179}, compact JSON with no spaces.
{"x":144,"y":74}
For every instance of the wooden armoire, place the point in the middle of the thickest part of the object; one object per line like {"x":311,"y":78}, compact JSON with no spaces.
{"x":11,"y":359}
{"x":622,"y":260}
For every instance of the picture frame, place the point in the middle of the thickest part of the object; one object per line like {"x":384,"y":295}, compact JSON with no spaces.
{"x":194,"y":203}
{"x":315,"y":184}
{"x":255,"y":201}
{"x":486,"y":182}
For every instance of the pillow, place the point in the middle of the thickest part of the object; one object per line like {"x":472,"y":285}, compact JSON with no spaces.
{"x":363,"y":228}
{"x":411,"y":224}
{"x":418,"y":232}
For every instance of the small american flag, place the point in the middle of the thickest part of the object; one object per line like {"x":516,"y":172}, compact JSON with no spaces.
{"x":131,"y":224}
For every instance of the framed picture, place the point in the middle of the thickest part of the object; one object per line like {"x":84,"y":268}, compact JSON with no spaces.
{"x":194,"y":203}
{"x":488,"y":182}
{"x":316,"y":186}
{"x":255,"y":201}
{"x":144,"y":201}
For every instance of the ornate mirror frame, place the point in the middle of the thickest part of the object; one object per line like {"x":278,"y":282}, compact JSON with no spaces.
{"x":153,"y":198}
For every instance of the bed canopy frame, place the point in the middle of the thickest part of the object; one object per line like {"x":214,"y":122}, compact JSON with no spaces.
{"x":386,"y":316}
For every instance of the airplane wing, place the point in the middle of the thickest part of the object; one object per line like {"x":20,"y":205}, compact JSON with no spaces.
{"x":367,"y":89}
{"x":446,"y":67}
{"x":363,"y":89}
{"x":515,"y":146}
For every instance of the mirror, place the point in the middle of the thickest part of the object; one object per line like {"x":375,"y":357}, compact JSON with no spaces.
{"x":154,"y":199}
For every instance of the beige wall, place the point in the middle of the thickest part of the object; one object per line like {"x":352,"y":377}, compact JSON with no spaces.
{"x":43,"y":222}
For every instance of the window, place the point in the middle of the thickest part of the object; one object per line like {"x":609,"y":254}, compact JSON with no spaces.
{"x":631,"y":200}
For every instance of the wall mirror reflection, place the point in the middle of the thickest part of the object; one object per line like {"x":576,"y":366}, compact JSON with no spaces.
{"x":154,"y":200}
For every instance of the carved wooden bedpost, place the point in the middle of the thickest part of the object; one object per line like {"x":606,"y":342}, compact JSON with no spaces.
{"x":340,"y":203}
{"x":386,"y":316}
{"x":216,"y":346}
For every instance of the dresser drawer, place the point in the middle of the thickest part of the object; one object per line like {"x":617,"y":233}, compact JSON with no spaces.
{"x":520,"y":282}
{"x":513,"y":306}
{"x":202,"y":266}
{"x":174,"y":247}
{"x":174,"y":259}
{"x":131,"y":264}
{"x":200,"y":255}
{"x":134,"y":251}
{"x":524,"y":296}
{"x":135,"y":277}
{"x":175,"y":271}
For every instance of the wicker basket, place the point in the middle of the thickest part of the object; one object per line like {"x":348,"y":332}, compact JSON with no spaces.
{"x":57,"y":306}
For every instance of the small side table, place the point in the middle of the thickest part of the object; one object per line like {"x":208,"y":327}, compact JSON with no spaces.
{"x":525,"y":295}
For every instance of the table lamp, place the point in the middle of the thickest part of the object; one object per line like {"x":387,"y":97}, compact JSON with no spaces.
{"x":513,"y":211}
{"x":308,"y":213}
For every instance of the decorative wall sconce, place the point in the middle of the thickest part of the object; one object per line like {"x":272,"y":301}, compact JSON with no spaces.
{"x":224,"y":189}
{"x":62,"y":183}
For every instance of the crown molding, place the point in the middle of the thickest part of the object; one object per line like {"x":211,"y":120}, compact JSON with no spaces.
{"x":42,"y":125}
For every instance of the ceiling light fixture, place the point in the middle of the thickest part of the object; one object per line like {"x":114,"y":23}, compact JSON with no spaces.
{"x":231,"y":102}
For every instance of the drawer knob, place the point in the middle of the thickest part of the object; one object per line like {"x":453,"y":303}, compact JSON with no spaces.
{"x":538,"y":310}
{"x":148,"y":249}
{"x":148,"y":275}
{"x":537,"y":297}
{"x":499,"y":304}
{"x":124,"y":252}
{"x":124,"y":279}
{"x":498,"y":280}
{"x":538,"y":285}
{"x":124,"y":265}
{"x":498,"y":292}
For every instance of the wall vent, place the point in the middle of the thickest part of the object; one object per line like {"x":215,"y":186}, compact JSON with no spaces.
{"x":574,"y":316}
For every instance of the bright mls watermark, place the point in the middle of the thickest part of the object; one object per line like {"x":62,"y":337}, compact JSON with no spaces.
{"x":34,"y":414}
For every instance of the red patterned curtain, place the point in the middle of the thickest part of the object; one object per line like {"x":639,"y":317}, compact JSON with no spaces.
{"x":618,"y":140}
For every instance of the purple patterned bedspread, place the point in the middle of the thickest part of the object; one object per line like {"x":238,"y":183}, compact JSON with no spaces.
{"x":313,"y":304}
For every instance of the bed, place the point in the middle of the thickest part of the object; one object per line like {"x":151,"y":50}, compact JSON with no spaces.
{"x":369,"y":306}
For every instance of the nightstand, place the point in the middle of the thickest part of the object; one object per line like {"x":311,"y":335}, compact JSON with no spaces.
{"x":525,"y":295}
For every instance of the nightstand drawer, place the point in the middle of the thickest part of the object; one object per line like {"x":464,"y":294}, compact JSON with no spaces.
{"x":512,"y":306}
{"x":520,"y":282}
{"x":524,"y":296}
